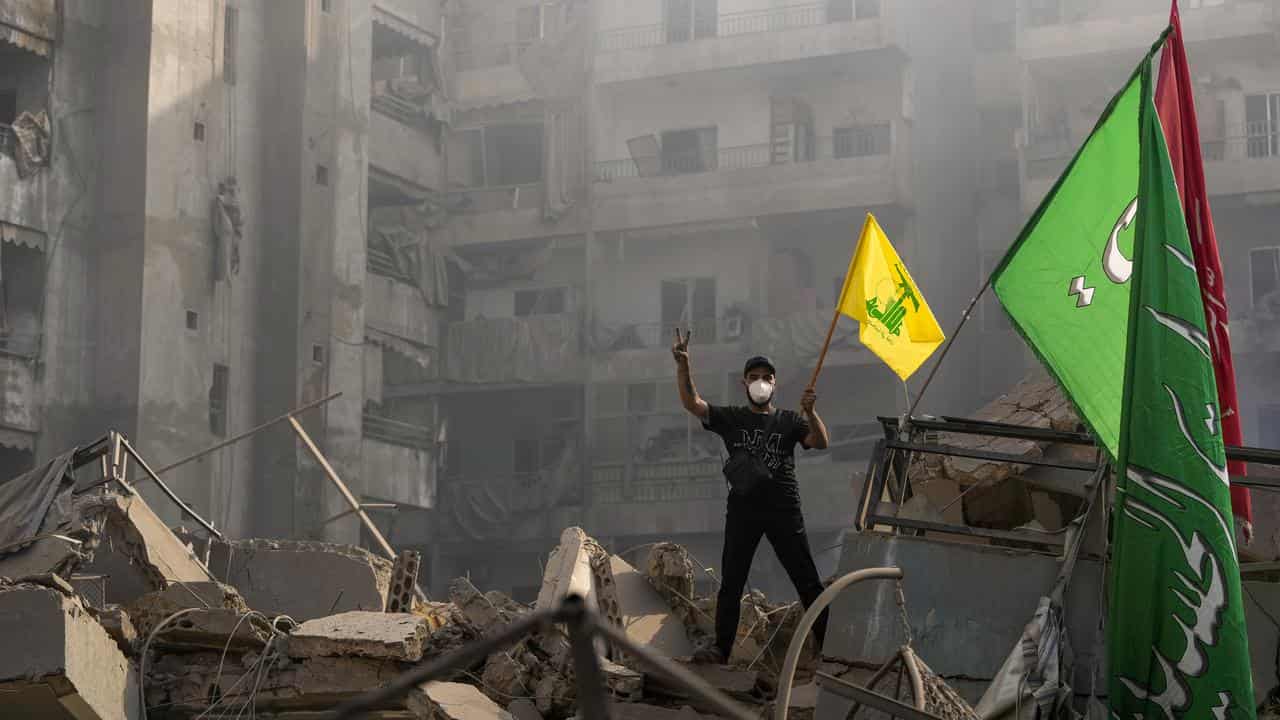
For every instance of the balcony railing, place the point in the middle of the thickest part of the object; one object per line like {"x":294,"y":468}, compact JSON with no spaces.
{"x":642,"y":336}
{"x":480,"y":57}
{"x":1257,"y":142}
{"x":1046,"y":13}
{"x":657,"y":482}
{"x":506,"y":197}
{"x":731,"y":24}
{"x":395,"y":432}
{"x":844,"y":146}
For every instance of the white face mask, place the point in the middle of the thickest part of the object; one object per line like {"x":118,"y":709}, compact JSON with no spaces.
{"x":761,"y":392}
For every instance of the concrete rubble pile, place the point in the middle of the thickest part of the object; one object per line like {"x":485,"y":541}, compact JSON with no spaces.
{"x":109,"y":614}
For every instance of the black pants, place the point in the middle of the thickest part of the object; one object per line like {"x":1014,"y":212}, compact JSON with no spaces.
{"x":744,"y":524}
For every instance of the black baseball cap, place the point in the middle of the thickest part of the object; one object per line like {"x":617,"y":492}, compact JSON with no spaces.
{"x":757,"y":362}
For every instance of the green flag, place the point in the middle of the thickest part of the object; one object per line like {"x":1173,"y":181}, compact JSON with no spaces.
{"x":1065,"y":282}
{"x":1177,"y":644}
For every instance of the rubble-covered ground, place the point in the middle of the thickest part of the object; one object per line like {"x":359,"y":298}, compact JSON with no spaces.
{"x":287,"y":629}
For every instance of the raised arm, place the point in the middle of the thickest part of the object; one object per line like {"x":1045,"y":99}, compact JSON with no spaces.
{"x":817,"y":439}
{"x":689,"y":397}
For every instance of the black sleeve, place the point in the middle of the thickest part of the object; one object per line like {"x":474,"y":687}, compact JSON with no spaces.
{"x":800,"y":429}
{"x":717,"y":420}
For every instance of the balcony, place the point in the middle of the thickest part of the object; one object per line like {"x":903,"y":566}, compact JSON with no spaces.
{"x":396,"y":306}
{"x":743,"y":39}
{"x":536,"y":350}
{"x":403,"y":151}
{"x":397,"y":462}
{"x":1243,"y":164}
{"x":19,"y":404}
{"x":1070,"y":28}
{"x":744,"y":182}
{"x":22,"y":200}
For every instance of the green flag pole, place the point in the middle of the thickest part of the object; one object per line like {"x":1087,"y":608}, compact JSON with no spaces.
{"x":911,"y":406}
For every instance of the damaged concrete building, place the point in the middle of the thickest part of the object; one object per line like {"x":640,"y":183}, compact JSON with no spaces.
{"x":464,"y":233}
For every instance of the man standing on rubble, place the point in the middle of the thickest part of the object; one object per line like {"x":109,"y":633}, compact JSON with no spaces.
{"x":770,"y":507}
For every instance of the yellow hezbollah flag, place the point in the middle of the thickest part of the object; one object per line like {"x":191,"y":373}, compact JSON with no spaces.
{"x":895,"y":322}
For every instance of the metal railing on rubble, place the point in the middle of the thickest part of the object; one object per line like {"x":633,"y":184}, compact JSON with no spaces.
{"x":583,"y":627}
{"x":888,"y":472}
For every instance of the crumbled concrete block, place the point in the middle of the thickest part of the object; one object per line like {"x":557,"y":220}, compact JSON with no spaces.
{"x":568,"y":570}
{"x":283,"y":685}
{"x":58,"y":661}
{"x":555,"y":695}
{"x":524,"y":709}
{"x":647,"y":618}
{"x":623,"y":682}
{"x":486,"y":611}
{"x":217,"y":618}
{"x":111,"y":534}
{"x":507,"y":676}
{"x":390,"y":636}
{"x":50,"y":580}
{"x":455,"y":701}
{"x":738,"y":684}
{"x":304,"y":580}
{"x":116,"y":622}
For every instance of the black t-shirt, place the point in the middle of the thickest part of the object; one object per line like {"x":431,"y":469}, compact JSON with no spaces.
{"x":740,"y":428}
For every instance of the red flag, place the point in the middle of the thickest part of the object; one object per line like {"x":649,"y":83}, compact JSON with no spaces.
{"x":1176,"y":106}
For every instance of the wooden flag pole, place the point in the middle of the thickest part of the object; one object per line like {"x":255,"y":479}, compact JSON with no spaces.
{"x":813,"y":381}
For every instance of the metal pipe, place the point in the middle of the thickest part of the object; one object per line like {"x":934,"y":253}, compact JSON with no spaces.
{"x":167,"y":491}
{"x":586,"y":668}
{"x":252,"y":431}
{"x":783,"y":697}
{"x":460,"y":659}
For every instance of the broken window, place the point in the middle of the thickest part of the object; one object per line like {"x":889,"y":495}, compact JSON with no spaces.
{"x":218,"y":392}
{"x":231,"y":19}
{"x":21,"y":297}
{"x":543,"y":301}
{"x":1264,"y":273}
{"x":690,"y":304}
{"x":501,"y":155}
{"x":1262,"y":124}
{"x":691,"y":20}
{"x":862,"y":140}
{"x":8,"y":106}
{"x":689,"y":151}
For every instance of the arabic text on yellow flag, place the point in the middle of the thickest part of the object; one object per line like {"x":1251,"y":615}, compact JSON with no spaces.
{"x":895,"y":321}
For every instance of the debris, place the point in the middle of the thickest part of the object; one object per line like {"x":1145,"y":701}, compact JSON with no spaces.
{"x":485,"y":612}
{"x":219,"y":617}
{"x":568,"y":570}
{"x":302,"y":579}
{"x":506,"y":676}
{"x":523,"y":709}
{"x":455,"y":701}
{"x":623,"y":682}
{"x":59,"y":660}
{"x":361,"y":633}
{"x":404,"y":581}
{"x":637,"y":711}
{"x":647,"y":618}
{"x":116,"y":622}
{"x":102,"y":532}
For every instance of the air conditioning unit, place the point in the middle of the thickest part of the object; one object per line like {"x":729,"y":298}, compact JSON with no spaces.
{"x":732,"y":327}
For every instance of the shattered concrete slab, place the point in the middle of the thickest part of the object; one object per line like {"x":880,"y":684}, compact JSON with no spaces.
{"x":568,"y":570}
{"x":623,"y":682}
{"x":455,"y":701}
{"x":219,"y":617}
{"x":486,"y":611}
{"x":523,"y":709}
{"x":116,"y":622}
{"x":740,"y":684}
{"x":647,"y":618}
{"x":301,"y":579}
{"x":59,"y":661}
{"x":105,"y":533}
{"x":362,"y":633}
{"x":184,"y":682}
